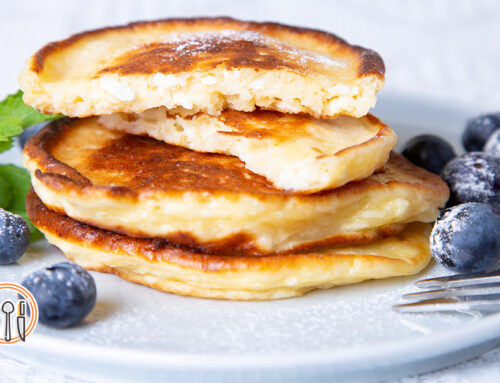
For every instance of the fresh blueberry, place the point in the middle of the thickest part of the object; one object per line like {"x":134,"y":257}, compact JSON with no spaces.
{"x":492,"y":146}
{"x":466,"y":237}
{"x":65,"y":293}
{"x":14,"y":237}
{"x":429,"y":152}
{"x":473,"y":177}
{"x":478,"y":130}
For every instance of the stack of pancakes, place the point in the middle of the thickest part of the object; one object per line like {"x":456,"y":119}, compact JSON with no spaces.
{"x":223,"y":159}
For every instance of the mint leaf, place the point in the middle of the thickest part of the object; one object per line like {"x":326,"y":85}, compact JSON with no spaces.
{"x":15,"y":116}
{"x":14,"y":186}
{"x":5,"y":192}
{"x":5,"y":145}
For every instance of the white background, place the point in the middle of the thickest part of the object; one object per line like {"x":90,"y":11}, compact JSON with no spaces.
{"x":444,"y":50}
{"x":441,"y":49}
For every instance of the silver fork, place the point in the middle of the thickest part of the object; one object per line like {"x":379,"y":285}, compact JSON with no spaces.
{"x":464,"y":292}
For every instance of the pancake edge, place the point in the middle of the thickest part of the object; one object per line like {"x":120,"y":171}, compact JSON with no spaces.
{"x":200,"y":275}
{"x":370,"y":61}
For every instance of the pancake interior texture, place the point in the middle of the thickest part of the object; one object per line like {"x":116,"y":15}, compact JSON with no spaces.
{"x":294,"y":152}
{"x":156,"y":263}
{"x":203,"y":64}
{"x":144,"y":187}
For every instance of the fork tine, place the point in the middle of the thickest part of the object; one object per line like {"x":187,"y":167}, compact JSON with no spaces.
{"x":461,"y":280}
{"x":486,"y":303}
{"x":451,"y":292}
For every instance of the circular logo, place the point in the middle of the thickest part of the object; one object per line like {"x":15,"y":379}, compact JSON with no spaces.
{"x":18,"y":315}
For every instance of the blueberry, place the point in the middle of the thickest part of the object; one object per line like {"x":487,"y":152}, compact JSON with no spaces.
{"x":492,"y":146}
{"x":14,"y":237}
{"x":429,"y":152}
{"x":478,"y":130}
{"x":473,"y":177}
{"x":65,"y":293}
{"x":466,"y":237}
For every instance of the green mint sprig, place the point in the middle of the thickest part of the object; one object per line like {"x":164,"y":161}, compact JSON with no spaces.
{"x":15,"y":116}
{"x":14,"y":186}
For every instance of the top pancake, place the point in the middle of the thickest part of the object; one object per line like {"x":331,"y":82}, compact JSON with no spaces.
{"x":144,"y":187}
{"x":203,"y":64}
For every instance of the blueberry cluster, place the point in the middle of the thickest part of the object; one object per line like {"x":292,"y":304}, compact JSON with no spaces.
{"x":466,"y":236}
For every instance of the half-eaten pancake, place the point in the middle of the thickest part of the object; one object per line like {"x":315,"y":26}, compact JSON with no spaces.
{"x":144,"y":187}
{"x":158,"y":264}
{"x":294,"y":152}
{"x":203,"y":64}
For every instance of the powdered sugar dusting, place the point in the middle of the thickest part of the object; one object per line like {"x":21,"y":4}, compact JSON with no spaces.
{"x":449,"y":222}
{"x":12,"y":225}
{"x":492,"y":146}
{"x":472,"y":178}
{"x":200,"y":42}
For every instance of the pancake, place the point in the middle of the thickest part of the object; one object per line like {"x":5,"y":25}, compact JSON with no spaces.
{"x":294,"y":152}
{"x":158,"y":264}
{"x":203,"y":64}
{"x":140,"y":186}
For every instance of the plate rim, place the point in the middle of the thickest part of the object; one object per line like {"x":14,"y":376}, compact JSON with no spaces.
{"x":480,"y":331}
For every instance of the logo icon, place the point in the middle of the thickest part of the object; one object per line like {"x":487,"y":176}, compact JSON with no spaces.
{"x":17,"y":324}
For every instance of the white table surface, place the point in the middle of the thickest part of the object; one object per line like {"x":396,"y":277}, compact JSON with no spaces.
{"x":444,"y":49}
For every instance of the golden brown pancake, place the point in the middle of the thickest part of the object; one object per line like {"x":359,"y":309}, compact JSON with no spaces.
{"x":146,"y":188}
{"x":203,"y":64}
{"x":294,"y":152}
{"x":158,"y":264}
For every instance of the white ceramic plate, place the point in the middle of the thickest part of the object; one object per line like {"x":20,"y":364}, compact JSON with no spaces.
{"x":348,"y":333}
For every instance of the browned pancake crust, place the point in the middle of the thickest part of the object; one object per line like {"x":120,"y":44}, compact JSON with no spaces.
{"x":151,"y":58}
{"x":282,"y":127}
{"x":155,"y":263}
{"x":153,"y":249}
{"x":245,"y":124}
{"x":148,"y":165}
{"x":151,"y":165}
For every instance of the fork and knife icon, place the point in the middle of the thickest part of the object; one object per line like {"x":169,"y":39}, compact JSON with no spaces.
{"x":7,"y":309}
